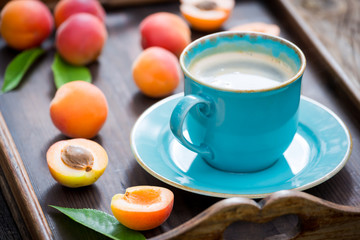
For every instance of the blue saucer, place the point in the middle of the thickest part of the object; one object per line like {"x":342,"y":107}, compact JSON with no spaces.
{"x":321,"y":147}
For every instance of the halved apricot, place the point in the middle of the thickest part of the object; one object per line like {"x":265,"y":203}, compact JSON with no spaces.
{"x":206,"y":15}
{"x":77,"y":162}
{"x":271,"y":29}
{"x":143,"y":207}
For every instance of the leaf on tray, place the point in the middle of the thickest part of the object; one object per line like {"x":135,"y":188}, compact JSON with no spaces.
{"x":17,"y":68}
{"x":101,"y":222}
{"x":65,"y":72}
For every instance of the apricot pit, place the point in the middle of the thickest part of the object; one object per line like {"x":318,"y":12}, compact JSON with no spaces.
{"x":77,"y":157}
{"x":76,"y":162}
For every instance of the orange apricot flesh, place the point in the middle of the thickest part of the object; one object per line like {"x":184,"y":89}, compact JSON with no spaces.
{"x":76,"y":172}
{"x":271,"y":29}
{"x":79,"y":109}
{"x":206,"y":15}
{"x":143,"y":207}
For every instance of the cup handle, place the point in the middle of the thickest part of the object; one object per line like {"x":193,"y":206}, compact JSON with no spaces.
{"x":177,"y":120}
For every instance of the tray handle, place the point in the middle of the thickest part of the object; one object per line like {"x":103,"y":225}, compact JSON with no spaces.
{"x":317,"y":218}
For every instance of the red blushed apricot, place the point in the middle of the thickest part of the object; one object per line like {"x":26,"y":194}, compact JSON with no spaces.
{"x":271,"y":29}
{"x":156,"y":72}
{"x":143,"y":207}
{"x":165,"y":30}
{"x":76,"y":162}
{"x":206,"y":15}
{"x":79,"y":109}
{"x":80,"y":39}
{"x":25,"y":23}
{"x":66,"y":8}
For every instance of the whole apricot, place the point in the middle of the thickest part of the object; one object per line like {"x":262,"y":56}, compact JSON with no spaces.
{"x":206,"y":15}
{"x":156,"y":72}
{"x":80,"y":39}
{"x":271,"y":29}
{"x":76,"y":162}
{"x":25,"y":24}
{"x":143,"y":207}
{"x":66,"y":8}
{"x":165,"y":30}
{"x":79,"y":109}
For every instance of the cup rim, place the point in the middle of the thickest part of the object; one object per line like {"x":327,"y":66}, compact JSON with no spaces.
{"x":296,"y":76}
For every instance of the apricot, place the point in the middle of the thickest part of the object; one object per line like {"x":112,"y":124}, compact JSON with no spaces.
{"x":25,"y":24}
{"x":271,"y":29}
{"x":165,"y":30}
{"x":80,"y":39}
{"x":143,"y":207}
{"x":156,"y":72}
{"x":76,"y":162}
{"x":66,"y":8}
{"x":79,"y":109}
{"x":206,"y":15}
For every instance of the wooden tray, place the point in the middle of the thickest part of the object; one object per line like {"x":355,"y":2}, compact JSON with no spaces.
{"x":331,"y":27}
{"x":26,"y":131}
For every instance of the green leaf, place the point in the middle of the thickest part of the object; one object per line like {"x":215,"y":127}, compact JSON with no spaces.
{"x":65,"y":72}
{"x":101,"y":222}
{"x":17,"y":68}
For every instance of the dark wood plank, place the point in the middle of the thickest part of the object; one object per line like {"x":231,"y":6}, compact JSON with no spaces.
{"x":20,"y":186}
{"x":8,"y":228}
{"x":25,"y":111}
{"x":332,"y":28}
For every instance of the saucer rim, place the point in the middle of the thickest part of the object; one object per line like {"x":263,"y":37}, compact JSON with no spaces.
{"x":314,"y":183}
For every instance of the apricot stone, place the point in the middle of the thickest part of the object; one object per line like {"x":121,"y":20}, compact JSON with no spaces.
{"x":66,"y":8}
{"x":80,"y":39}
{"x":165,"y":30}
{"x":156,"y":72}
{"x":25,"y":24}
{"x":143,"y":207}
{"x":76,"y":162}
{"x":79,"y":109}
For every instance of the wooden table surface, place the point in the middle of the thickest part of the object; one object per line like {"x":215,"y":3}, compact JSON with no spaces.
{"x":25,"y":111}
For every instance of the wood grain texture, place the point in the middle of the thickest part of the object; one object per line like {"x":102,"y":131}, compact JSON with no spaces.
{"x":332,"y":27}
{"x":317,"y":219}
{"x":11,"y":221}
{"x":20,"y":185}
{"x":26,"y":112}
{"x":8,"y":227}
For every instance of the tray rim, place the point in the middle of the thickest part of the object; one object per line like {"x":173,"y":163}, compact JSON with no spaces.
{"x":320,"y":49}
{"x":20,"y":186}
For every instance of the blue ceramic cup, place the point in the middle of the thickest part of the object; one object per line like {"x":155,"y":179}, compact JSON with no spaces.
{"x":239,"y":130}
